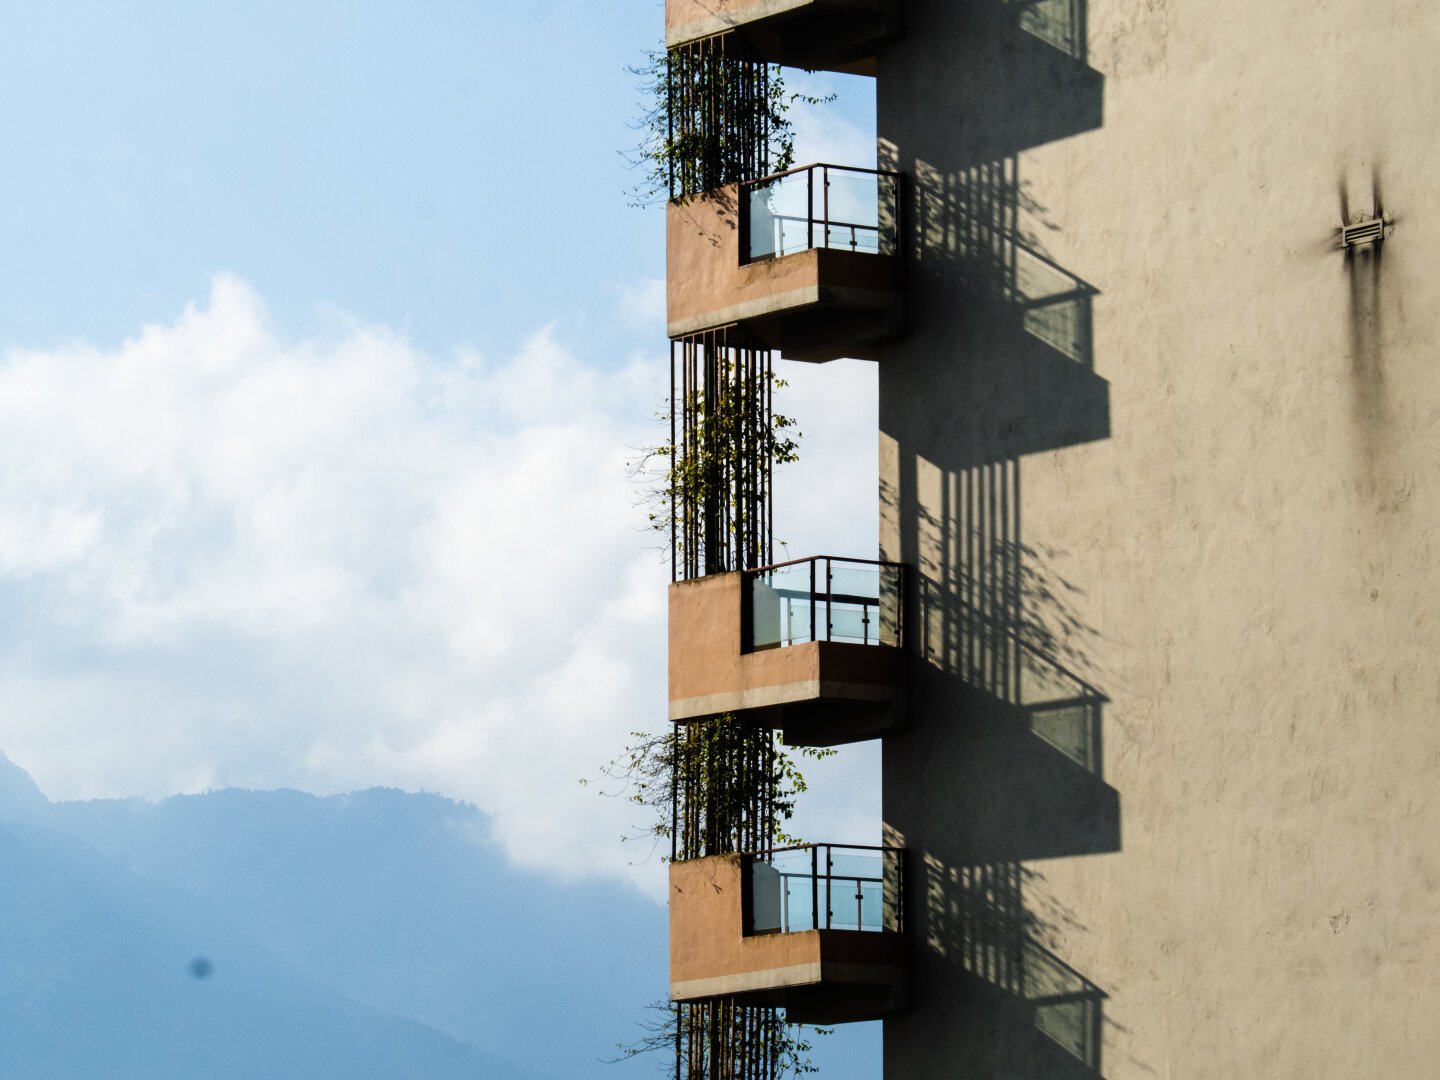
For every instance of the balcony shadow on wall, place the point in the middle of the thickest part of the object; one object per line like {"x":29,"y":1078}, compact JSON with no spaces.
{"x":1010,"y":759}
{"x":1022,"y":1011}
{"x":1014,"y":76}
{"x":1029,"y":783}
{"x":1002,"y":330}
{"x":1006,"y":764}
{"x":1013,"y":739}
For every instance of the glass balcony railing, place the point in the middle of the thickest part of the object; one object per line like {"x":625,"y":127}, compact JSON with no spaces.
{"x":821,"y":206}
{"x":825,"y":599}
{"x":825,"y":887}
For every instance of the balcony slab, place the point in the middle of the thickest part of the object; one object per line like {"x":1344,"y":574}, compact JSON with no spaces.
{"x":820,"y":35}
{"x":817,"y":976}
{"x":821,"y":693}
{"x":816,"y":305}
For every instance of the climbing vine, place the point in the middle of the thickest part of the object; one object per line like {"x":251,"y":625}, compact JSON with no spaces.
{"x":709,"y":117}
{"x":709,"y":486}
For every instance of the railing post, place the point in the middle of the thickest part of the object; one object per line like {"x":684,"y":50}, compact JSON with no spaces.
{"x":814,"y":629}
{"x":815,"y":887}
{"x":829,"y":592}
{"x":825,"y":197}
{"x":742,"y":212}
{"x":810,"y":203}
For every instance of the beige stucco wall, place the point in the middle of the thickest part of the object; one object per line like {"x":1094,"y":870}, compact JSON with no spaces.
{"x":1151,"y":422}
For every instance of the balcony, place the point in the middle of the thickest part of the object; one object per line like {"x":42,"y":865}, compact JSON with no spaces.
{"x":820,"y":35}
{"x":814,"y":646}
{"x":816,"y":930}
{"x":808,"y":261}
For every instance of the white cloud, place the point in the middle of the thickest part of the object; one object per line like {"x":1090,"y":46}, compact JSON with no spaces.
{"x":826,"y":504}
{"x":838,"y":132}
{"x":642,"y":303}
{"x":229,"y":558}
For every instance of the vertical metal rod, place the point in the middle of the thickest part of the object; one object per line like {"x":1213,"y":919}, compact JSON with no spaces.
{"x":814,"y":630}
{"x":829,"y":592}
{"x":674,"y":456}
{"x":825,"y":197}
{"x":810,"y":205}
{"x":815,"y":887}
{"x":675,"y":734}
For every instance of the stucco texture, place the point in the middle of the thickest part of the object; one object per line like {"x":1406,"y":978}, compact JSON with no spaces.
{"x":1165,"y":460}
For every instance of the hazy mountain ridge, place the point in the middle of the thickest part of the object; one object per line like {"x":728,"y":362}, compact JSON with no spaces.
{"x":20,"y":798}
{"x":106,"y":973}
{"x":399,"y":902}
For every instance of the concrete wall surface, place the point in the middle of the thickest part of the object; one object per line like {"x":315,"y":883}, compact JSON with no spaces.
{"x":1167,"y":464}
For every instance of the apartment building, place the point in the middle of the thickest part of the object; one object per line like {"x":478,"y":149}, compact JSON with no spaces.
{"x":1149,"y":636}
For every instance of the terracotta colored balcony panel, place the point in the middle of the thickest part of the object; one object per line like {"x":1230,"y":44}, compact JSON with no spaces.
{"x":821,"y":35}
{"x":813,"y":647}
{"x":815,"y":930}
{"x":807,"y":261}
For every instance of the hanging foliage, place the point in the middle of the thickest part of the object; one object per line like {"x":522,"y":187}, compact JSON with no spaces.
{"x":710,"y":487}
{"x":711,"y":787}
{"x":717,"y":786}
{"x":710,"y":117}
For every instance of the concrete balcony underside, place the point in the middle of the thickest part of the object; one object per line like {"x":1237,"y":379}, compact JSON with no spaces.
{"x":817,"y":305}
{"x":822,"y":693}
{"x":821,"y":35}
{"x":817,"y":976}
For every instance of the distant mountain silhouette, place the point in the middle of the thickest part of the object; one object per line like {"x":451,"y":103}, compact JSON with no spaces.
{"x":326,"y":920}
{"x":20,"y":799}
{"x":104,"y":974}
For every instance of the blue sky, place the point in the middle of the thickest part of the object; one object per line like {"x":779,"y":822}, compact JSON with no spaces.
{"x":327,"y":334}
{"x":427,"y":166}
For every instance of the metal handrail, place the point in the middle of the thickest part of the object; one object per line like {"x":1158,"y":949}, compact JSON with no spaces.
{"x":892,"y":874}
{"x":831,"y":558}
{"x":844,"y":847}
{"x":826,"y":600}
{"x":797,"y":169}
{"x":831,"y":226}
{"x":824,"y":221}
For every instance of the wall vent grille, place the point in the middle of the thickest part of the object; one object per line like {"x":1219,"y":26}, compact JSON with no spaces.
{"x":1370,"y":231}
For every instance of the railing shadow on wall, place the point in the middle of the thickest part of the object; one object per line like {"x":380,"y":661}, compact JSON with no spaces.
{"x":1012,"y":753}
{"x":1041,"y":1016}
{"x":1061,"y":24}
{"x":1000,"y":364}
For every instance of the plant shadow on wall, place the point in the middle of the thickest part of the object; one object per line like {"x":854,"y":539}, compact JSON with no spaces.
{"x":999,"y":364}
